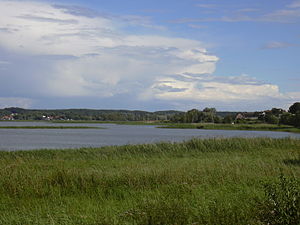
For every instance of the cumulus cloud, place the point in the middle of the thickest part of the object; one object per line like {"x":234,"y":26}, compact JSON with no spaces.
{"x":197,"y":87}
{"x":63,"y":51}
{"x":90,"y":52}
{"x":231,"y":92}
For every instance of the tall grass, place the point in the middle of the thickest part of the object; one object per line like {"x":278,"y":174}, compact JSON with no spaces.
{"x":214,"y":126}
{"x":48,"y":127}
{"x":211,"y":181}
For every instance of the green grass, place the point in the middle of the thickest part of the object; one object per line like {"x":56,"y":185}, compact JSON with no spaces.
{"x":212,"y":181}
{"x":112,"y":122}
{"x":210,"y":126}
{"x":48,"y":127}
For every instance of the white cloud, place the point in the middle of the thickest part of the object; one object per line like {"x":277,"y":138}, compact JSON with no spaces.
{"x":4,"y":62}
{"x":91,"y":53}
{"x":197,"y":26}
{"x":282,"y":16}
{"x":207,"y":6}
{"x":287,"y":14}
{"x":248,"y":10}
{"x":277,"y":44}
{"x":197,"y":87}
{"x":15,"y":102}
{"x":294,"y":4}
{"x":70,"y":51}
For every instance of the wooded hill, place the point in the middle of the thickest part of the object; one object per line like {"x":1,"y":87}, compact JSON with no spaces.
{"x":92,"y":114}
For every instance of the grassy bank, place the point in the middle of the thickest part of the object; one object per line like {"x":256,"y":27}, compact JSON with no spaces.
{"x":213,"y":181}
{"x":48,"y":127}
{"x":207,"y":126}
{"x":111,"y":122}
{"x":258,"y":127}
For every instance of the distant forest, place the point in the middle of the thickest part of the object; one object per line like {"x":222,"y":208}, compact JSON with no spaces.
{"x":207,"y":115}
{"x":14,"y":113}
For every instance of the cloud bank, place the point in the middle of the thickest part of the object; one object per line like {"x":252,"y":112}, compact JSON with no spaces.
{"x":63,"y":51}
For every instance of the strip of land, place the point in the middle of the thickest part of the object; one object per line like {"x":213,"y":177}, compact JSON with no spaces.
{"x":205,"y":126}
{"x":110,"y":122}
{"x":209,"y":126}
{"x":48,"y":127}
{"x":211,"y":181}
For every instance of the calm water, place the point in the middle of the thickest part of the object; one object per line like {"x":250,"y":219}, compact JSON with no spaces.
{"x":25,"y":139}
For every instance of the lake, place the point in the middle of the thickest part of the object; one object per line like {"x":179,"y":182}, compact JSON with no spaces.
{"x":30,"y":139}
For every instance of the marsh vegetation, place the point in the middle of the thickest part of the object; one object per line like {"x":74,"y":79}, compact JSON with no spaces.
{"x":210,"y":181}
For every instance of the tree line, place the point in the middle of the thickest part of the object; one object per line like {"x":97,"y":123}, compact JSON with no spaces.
{"x":207,"y":115}
{"x":85,"y":114}
{"x":273,"y":116}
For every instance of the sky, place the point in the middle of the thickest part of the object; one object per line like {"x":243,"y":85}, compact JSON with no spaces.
{"x":233,"y":55}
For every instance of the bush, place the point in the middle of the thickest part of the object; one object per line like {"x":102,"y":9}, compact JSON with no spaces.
{"x":287,"y":119}
{"x":282,"y":203}
{"x":271,"y":119}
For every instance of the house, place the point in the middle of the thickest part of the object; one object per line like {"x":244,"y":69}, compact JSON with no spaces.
{"x":246,"y":116}
{"x":239,"y":116}
{"x":10,"y":117}
{"x":48,"y":117}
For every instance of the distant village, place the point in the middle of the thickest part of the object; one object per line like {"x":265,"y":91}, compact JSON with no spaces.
{"x":13,"y":116}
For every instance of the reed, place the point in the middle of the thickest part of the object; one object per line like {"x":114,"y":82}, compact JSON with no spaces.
{"x":210,"y":181}
{"x":212,"y":126}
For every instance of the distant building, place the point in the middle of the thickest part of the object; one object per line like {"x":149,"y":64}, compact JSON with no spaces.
{"x":48,"y":117}
{"x":247,"y":116}
{"x":239,"y":116}
{"x":10,"y":117}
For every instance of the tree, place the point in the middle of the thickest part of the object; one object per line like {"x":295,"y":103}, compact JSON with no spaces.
{"x":210,"y":110}
{"x":269,"y":118}
{"x":295,"y":108}
{"x":297,"y":119}
{"x":217,"y":119}
{"x":276,"y":111}
{"x":228,"y":119}
{"x":287,"y":119}
{"x":192,"y":116}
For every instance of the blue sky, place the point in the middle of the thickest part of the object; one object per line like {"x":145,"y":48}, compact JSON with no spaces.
{"x":150,"y":55}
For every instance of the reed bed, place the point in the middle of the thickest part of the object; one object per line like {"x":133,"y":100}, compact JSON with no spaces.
{"x":210,"y":181}
{"x":215,"y":126}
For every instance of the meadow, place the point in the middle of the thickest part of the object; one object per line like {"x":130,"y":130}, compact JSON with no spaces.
{"x":209,"y":181}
